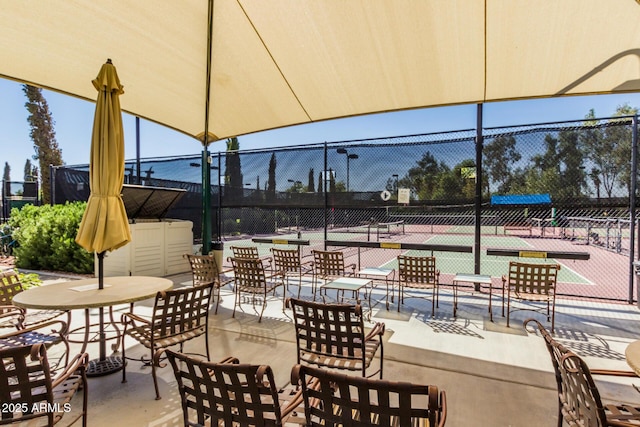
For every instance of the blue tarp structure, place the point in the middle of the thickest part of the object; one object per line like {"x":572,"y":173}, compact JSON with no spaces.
{"x":521,"y":199}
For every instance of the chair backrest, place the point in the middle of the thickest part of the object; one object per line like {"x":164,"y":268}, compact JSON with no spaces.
{"x":331,"y":398}
{"x":580,"y":398}
{"x":25,"y":381}
{"x":533,"y":278}
{"x":329,"y":329}
{"x":286,"y":260}
{"x":248,"y":272}
{"x":328,"y":263}
{"x":417,"y":269}
{"x":10,"y":285}
{"x":229,"y":393}
{"x":245,"y":252}
{"x":203,"y":269}
{"x":182,"y":311}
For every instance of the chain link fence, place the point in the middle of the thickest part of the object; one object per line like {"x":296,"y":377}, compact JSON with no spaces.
{"x":552,"y":187}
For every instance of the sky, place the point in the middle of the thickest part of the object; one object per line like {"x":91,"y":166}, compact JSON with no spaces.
{"x":74,"y":119}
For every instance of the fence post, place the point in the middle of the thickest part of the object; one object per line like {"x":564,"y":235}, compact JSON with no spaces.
{"x":478,"y":195}
{"x":632,"y":210}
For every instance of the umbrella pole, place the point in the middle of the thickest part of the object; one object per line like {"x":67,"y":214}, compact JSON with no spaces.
{"x":103,"y":344}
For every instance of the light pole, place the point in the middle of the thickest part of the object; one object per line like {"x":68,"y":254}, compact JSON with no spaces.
{"x":349,"y":157}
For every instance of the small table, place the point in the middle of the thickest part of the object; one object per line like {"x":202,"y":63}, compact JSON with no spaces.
{"x":84,"y":294}
{"x":470,"y":278}
{"x":379,"y":274}
{"x":349,"y":284}
{"x":632,"y":354}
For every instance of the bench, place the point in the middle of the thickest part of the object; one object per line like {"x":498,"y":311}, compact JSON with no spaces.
{"x":517,"y":227}
{"x":382,"y":225}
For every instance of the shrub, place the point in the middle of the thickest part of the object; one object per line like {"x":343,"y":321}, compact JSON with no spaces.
{"x":46,"y":237}
{"x":29,"y":280}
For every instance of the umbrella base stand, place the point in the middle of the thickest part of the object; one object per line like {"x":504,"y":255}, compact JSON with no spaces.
{"x":106,"y":366}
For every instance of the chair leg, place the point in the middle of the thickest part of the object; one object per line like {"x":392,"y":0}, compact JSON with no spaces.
{"x":235,"y":302}
{"x":433,"y":303}
{"x":155,"y":380}
{"x":508,"y":307}
{"x":217,"y":299}
{"x":206,"y":343}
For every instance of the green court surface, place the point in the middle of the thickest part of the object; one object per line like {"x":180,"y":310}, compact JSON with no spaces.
{"x":495,"y":266}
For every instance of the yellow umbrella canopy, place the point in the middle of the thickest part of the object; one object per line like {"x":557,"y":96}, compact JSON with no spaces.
{"x":104,"y":226}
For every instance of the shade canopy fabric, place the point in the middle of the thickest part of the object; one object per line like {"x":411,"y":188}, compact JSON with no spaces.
{"x":104,"y":225}
{"x":283,"y":62}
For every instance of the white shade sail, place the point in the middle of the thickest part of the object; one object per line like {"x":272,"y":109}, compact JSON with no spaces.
{"x":282,"y":62}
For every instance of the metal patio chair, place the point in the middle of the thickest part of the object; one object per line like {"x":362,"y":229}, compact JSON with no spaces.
{"x":252,"y":253}
{"x":329,"y":265}
{"x":418,"y":273}
{"x":52,"y":334}
{"x":579,"y":401}
{"x":333,"y":336}
{"x":338,"y":399}
{"x":10,"y":285}
{"x":532,"y":283}
{"x":287,"y":265}
{"x":251,"y":279}
{"x":179,"y":315}
{"x":204,"y":269}
{"x":26,"y":382}
{"x":230,"y":393}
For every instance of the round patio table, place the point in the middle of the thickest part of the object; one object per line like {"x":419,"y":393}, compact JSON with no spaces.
{"x":632,"y":354}
{"x":84,"y":294}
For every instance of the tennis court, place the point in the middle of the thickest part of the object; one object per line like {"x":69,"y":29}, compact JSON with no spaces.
{"x":576,"y":277}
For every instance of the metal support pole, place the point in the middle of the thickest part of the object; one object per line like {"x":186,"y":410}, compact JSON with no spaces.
{"x":206,"y":201}
{"x":138,"y":181}
{"x":219,"y":233}
{"x":632,"y":206}
{"x":478,"y":195}
{"x":326,"y":197}
{"x":206,"y":159}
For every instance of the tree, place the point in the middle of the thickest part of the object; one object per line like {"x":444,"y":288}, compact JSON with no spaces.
{"x":332,"y":182}
{"x":310,"y":186}
{"x":320,"y":183}
{"x":499,"y":156}
{"x":6,"y":177}
{"x":233,"y":170}
{"x":620,"y":131}
{"x":423,"y":179}
{"x":43,"y":136}
{"x":30,"y":172}
{"x":271,"y":180}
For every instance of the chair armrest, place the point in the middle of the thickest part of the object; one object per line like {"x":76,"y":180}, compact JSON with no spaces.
{"x":613,"y":373}
{"x":12,"y":315}
{"x":132,"y":318}
{"x":10,"y":310}
{"x":78,"y":363}
{"x":62,"y":331}
{"x":378,"y":329}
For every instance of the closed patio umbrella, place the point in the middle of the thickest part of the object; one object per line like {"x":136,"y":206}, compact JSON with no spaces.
{"x":104,"y":226}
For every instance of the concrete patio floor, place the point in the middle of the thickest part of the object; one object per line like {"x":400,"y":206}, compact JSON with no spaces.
{"x":493,"y":376}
